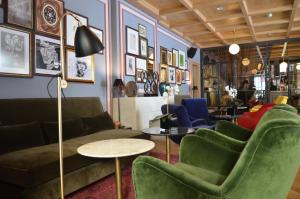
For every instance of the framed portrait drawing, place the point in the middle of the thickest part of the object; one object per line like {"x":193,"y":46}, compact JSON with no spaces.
{"x":175,"y":57}
{"x":47,"y":55}
{"x":187,"y":75}
{"x":163,"y":73}
{"x":20,"y":13}
{"x":15,"y":51}
{"x":130,"y":65}
{"x":47,"y":15}
{"x":150,"y":65}
{"x":79,"y":69}
{"x":143,"y":47}
{"x":132,"y":41}
{"x":172,"y":75}
{"x":163,"y":55}
{"x":181,"y":59}
{"x":140,"y":75}
{"x":142,"y":31}
{"x":183,"y":77}
{"x":170,"y":58}
{"x":151,"y":53}
{"x":99,"y":34}
{"x":178,"y":77}
{"x":141,"y":63}
{"x":71,"y":26}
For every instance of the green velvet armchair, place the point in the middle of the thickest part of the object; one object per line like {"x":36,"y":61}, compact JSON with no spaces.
{"x":265,"y":169}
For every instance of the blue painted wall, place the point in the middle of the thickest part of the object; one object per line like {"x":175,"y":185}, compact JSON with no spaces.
{"x":13,"y":87}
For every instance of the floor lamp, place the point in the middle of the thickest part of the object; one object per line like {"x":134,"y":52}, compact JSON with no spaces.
{"x":86,"y":43}
{"x":119,"y":85}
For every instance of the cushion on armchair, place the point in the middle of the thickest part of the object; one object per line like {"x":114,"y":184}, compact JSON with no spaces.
{"x":20,"y":136}
{"x":98,"y":123}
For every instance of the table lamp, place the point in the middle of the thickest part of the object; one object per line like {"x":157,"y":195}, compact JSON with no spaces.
{"x":86,"y":43}
{"x":118,"y":84}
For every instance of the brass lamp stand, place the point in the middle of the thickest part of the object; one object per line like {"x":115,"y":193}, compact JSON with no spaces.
{"x":86,"y":43}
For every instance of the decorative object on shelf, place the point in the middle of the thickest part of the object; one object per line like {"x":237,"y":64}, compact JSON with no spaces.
{"x":131,"y":89}
{"x":20,"y":13}
{"x":132,"y":41}
{"x":283,"y":66}
{"x":163,"y":55}
{"x":151,"y":53}
{"x":140,"y":75}
{"x":163,"y":73}
{"x":172,"y":74}
{"x":130,"y":64}
{"x":183,"y":77}
{"x":119,"y":88}
{"x":99,"y":34}
{"x":151,"y":81}
{"x":47,"y":15}
{"x":234,"y":48}
{"x":246,"y":61}
{"x":170,"y":58}
{"x":195,"y":89}
{"x":142,"y":31}
{"x":143,"y":47}
{"x":86,"y":44}
{"x":141,"y":63}
{"x":162,"y":87}
{"x":150,"y":66}
{"x":15,"y":52}
{"x":47,"y":55}
{"x":181,"y":59}
{"x":178,"y":77}
{"x":71,"y":26}
{"x":175,"y":57}
{"x":79,"y":69}
{"x":187,"y":75}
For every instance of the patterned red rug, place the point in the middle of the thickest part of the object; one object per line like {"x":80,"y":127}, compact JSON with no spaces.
{"x":105,"y":188}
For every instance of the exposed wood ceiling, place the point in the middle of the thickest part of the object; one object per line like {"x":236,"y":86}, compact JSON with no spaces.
{"x":211,"y":23}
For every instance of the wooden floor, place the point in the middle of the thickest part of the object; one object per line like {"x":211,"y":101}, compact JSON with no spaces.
{"x":160,"y":147}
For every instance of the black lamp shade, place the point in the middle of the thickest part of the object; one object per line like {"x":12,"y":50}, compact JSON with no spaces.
{"x":86,"y":42}
{"x":118,"y":83}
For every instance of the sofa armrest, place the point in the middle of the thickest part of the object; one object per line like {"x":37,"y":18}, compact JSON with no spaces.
{"x":205,"y":153}
{"x":198,"y":122}
{"x":233,"y":130}
{"x":154,"y":178}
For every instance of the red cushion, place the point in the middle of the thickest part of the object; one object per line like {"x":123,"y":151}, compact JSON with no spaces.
{"x":249,"y":120}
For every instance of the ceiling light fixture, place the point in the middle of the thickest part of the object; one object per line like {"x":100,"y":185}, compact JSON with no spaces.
{"x":245,"y":61}
{"x":269,"y":15}
{"x":234,"y":48}
{"x":220,"y":8}
{"x":298,"y":66}
{"x":283,"y":66}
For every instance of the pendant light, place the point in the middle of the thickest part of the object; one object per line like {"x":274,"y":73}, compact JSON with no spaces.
{"x":283,"y":66}
{"x":298,"y":66}
{"x":234,"y":48}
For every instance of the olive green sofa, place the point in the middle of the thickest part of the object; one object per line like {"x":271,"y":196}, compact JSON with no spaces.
{"x":213,"y":169}
{"x":29,"y":166}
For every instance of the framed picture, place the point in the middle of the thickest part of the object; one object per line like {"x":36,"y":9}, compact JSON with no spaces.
{"x":175,"y":57}
{"x":143,"y":47}
{"x":183,"y":77}
{"x":169,"y":58}
{"x":47,"y":55}
{"x":15,"y":52}
{"x":132,"y":41}
{"x":141,"y":63}
{"x":151,"y":53}
{"x":140,"y":75}
{"x":187,"y":75}
{"x":99,"y":34}
{"x":130,"y":65}
{"x":178,"y":77}
{"x":150,"y":65}
{"x":163,"y":55}
{"x":172,"y":75}
{"x":181,"y":59}
{"x":163,"y":73}
{"x":47,"y":16}
{"x":79,"y":69}
{"x":142,"y":31}
{"x":71,"y":27}
{"x":20,"y":13}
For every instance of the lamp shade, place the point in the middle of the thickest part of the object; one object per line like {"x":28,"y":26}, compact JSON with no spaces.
{"x":234,"y":49}
{"x":86,"y":42}
{"x":118,"y":83}
{"x":283,"y":66}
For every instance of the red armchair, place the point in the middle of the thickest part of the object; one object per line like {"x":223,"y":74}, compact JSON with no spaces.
{"x":249,"y":120}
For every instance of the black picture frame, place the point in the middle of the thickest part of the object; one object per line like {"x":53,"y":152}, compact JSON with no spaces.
{"x":141,"y":40}
{"x":92,"y":28}
{"x":151,"y":50}
{"x":133,"y":71}
{"x":163,"y":55}
{"x":137,"y":51}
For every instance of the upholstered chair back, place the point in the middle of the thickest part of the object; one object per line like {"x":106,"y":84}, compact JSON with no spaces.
{"x":196,"y":108}
{"x":180,"y":112}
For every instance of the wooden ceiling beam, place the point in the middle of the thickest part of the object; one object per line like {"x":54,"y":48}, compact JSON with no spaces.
{"x":189,"y":4}
{"x":275,"y":9}
{"x":196,"y":33}
{"x":206,"y":3}
{"x":272,"y":22}
{"x":185,"y":24}
{"x":244,"y":8}
{"x":268,"y":32}
{"x":291,"y":23}
{"x":224,"y":17}
{"x":174,"y":10}
{"x":230,"y":28}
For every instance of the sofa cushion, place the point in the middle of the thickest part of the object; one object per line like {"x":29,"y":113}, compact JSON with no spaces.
{"x":20,"y":136}
{"x":98,"y":123}
{"x":71,"y":129}
{"x":34,"y":166}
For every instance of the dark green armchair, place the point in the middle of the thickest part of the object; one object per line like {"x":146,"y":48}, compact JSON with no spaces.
{"x":265,"y":169}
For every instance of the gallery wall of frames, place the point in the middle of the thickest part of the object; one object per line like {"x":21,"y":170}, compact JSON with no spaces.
{"x":30,"y":45}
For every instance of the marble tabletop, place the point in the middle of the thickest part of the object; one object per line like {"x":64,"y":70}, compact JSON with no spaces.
{"x":114,"y":148}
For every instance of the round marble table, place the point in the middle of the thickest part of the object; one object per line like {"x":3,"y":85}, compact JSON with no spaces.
{"x":116,"y":148}
{"x":173,"y":131}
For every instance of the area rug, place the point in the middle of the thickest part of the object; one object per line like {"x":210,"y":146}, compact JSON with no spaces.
{"x":105,"y":188}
